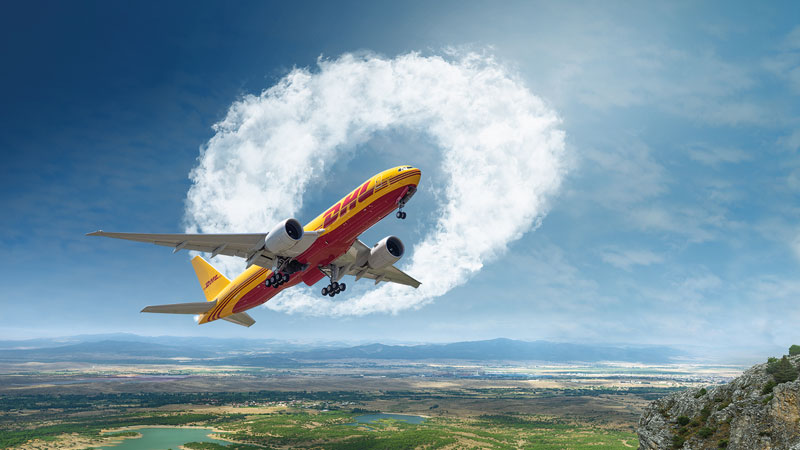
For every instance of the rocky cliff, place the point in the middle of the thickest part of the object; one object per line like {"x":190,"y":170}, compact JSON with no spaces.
{"x":758,"y":410}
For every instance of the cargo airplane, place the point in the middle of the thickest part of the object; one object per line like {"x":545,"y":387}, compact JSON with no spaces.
{"x":289,"y":254}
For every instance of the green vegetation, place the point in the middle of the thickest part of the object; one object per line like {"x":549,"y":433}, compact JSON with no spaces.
{"x":215,"y":446}
{"x":722,"y":443}
{"x":705,"y":412}
{"x":784,"y":371}
{"x":700,"y":393}
{"x":122,"y":434}
{"x":705,"y":432}
{"x":683,"y":420}
{"x":768,"y":387}
{"x":794,"y":350}
{"x":334,"y":430}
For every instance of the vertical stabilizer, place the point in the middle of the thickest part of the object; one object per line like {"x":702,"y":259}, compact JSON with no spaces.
{"x":211,"y":281}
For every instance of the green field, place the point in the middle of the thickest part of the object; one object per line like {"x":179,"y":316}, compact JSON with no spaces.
{"x":328,"y":430}
{"x":336,"y":430}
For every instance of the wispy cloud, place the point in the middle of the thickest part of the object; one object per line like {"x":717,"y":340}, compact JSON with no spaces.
{"x":501,"y":150}
{"x":714,"y":156}
{"x":785,"y":62}
{"x":627,"y":258}
{"x":626,"y":174}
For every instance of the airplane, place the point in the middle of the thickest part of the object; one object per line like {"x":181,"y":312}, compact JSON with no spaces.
{"x":289,"y":254}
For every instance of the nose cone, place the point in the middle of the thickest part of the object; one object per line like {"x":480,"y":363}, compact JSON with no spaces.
{"x":414,"y":175}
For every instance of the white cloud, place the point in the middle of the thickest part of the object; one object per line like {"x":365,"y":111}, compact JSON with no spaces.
{"x":785,"y":62}
{"x":502,"y":153}
{"x":627,"y":258}
{"x":625,"y":174}
{"x":713,"y":156}
{"x":692,"y":223}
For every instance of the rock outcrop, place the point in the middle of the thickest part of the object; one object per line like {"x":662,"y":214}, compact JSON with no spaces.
{"x":754,"y":411}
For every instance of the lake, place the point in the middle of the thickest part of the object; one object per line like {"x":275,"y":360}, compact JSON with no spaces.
{"x":164,"y":438}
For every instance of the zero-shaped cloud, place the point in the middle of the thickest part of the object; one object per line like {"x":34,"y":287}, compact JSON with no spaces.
{"x":502,"y":154}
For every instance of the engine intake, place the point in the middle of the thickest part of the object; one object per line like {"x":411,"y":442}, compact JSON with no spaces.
{"x":284,"y":236}
{"x":385,"y":253}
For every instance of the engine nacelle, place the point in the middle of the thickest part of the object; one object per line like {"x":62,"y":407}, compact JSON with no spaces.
{"x":385,"y":253}
{"x":284,"y":236}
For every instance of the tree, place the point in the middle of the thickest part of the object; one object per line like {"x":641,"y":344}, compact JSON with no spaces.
{"x":785,"y":371}
{"x":794,"y":350}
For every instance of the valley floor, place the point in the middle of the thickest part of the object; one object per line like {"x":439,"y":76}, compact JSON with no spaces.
{"x":564,"y":407}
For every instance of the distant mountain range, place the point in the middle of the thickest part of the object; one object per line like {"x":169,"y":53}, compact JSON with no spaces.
{"x":497,"y":349}
{"x":132,"y":349}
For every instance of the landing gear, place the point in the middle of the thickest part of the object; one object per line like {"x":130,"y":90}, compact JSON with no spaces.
{"x":277,"y":279}
{"x":402,"y":202}
{"x":333,"y":289}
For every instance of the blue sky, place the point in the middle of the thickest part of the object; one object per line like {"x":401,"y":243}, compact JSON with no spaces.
{"x":677,"y":222}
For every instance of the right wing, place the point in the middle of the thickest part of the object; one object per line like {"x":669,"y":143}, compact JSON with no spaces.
{"x":353,"y":262}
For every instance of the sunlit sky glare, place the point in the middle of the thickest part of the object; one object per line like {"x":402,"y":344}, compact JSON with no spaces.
{"x":676,"y":223}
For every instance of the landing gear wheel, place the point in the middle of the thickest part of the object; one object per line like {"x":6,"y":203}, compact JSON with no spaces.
{"x":342,"y":287}
{"x":335,"y":285}
{"x":325,"y":290}
{"x":399,"y":214}
{"x":286,"y":278}
{"x":268,"y":282}
{"x":332,"y":293}
{"x":404,"y":215}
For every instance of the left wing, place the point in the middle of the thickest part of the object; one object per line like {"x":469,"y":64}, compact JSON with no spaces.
{"x":354,"y":262}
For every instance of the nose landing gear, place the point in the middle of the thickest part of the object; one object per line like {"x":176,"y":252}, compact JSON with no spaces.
{"x":400,"y":215}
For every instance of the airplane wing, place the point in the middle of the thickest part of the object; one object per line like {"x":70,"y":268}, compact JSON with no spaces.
{"x":220,"y":244}
{"x":353,"y":262}
{"x":247,"y":246}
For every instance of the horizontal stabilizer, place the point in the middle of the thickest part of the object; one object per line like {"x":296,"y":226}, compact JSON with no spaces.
{"x":181,"y":308}
{"x":241,"y":318}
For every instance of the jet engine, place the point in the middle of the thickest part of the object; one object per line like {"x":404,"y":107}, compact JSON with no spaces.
{"x":284,"y":236}
{"x":385,"y":253}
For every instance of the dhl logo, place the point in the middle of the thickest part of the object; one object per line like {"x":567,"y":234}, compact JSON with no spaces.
{"x":211,"y":281}
{"x":349,"y":202}
{"x":361,"y":194}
